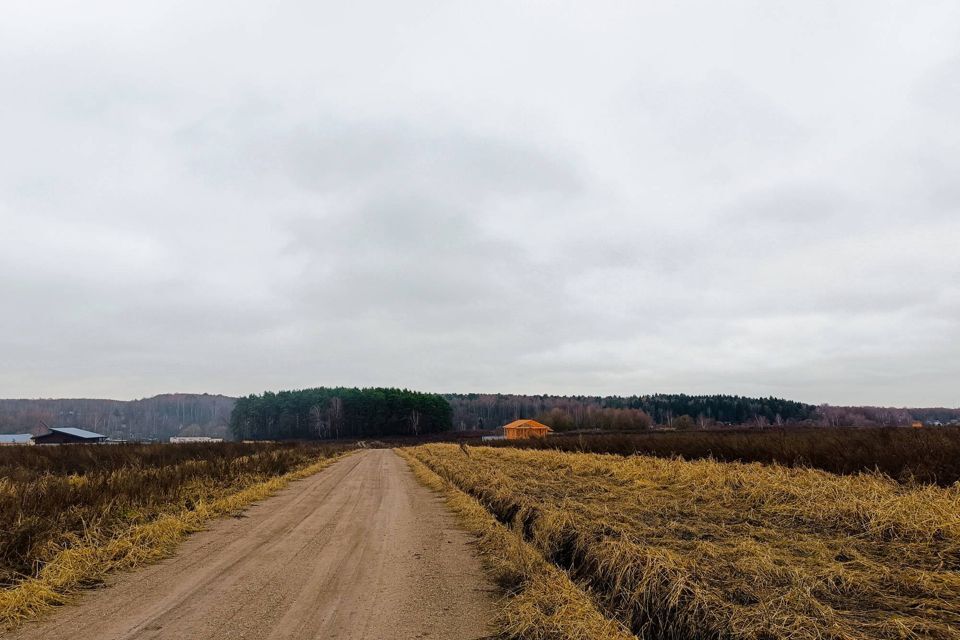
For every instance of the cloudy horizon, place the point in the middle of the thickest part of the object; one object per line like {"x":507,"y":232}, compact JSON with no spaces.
{"x":517,"y":197}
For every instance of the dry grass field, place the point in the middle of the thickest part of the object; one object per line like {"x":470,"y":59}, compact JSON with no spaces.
{"x":666,"y":548}
{"x":69,"y":515}
{"x":929,"y":455}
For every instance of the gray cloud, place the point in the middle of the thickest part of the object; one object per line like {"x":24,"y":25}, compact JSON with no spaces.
{"x":481,"y":197}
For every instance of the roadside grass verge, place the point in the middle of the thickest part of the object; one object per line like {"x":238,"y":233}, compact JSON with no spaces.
{"x":672,"y":549}
{"x":542,"y":602}
{"x":130,"y":533}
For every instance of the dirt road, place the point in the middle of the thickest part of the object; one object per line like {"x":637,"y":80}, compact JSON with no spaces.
{"x":360,"y":550}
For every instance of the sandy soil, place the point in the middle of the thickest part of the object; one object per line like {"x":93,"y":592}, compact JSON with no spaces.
{"x":360,"y":550}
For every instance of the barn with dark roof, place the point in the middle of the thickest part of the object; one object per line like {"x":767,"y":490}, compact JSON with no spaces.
{"x":69,"y":435}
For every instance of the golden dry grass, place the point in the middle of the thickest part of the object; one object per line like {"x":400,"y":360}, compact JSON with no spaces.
{"x":543,"y":602}
{"x":88,"y":560}
{"x":705,"y":549}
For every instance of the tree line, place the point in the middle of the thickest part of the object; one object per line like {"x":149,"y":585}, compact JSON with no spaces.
{"x":489,"y":411}
{"x":155,"y":418}
{"x":162,"y":416}
{"x":340,"y":412}
{"x":836,"y":416}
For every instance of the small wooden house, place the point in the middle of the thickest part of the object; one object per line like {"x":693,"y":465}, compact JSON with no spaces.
{"x":522,"y":429}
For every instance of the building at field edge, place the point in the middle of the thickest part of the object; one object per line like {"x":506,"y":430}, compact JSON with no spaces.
{"x":69,"y":435}
{"x":523,"y":429}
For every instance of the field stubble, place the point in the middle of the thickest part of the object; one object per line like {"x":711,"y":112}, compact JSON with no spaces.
{"x":674,"y":549}
{"x":930,"y":455}
{"x":70,"y":515}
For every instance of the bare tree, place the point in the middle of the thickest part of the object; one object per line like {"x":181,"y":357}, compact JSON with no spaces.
{"x":320,"y":426}
{"x":336,"y":415}
{"x":415,"y":422}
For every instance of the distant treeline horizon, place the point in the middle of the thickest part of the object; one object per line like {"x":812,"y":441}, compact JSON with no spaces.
{"x":166,"y":415}
{"x":155,"y":418}
{"x":485,"y":411}
{"x":473,"y":411}
{"x":360,"y":413}
{"x":341,"y":412}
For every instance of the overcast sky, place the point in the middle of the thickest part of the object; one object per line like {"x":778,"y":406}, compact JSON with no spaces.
{"x":752,"y":197}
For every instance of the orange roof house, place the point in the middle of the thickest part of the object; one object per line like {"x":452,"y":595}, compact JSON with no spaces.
{"x":521,"y":429}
